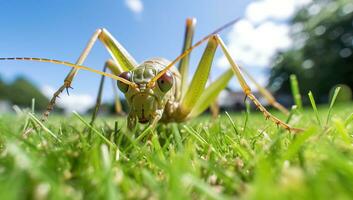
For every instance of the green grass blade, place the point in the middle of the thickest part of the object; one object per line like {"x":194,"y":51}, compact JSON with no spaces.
{"x":43,"y":127}
{"x":294,"y":147}
{"x":233,"y":124}
{"x":247,"y":114}
{"x":333,"y":100}
{"x":157,"y":147}
{"x":340,"y":128}
{"x":139,"y":138}
{"x":348,"y":120}
{"x":313,"y":104}
{"x":295,"y":91}
{"x":177,"y":136}
{"x":202,"y":187}
{"x":195,"y":135}
{"x":95,"y":131}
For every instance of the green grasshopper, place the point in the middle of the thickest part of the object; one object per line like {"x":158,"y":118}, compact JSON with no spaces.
{"x":156,"y":90}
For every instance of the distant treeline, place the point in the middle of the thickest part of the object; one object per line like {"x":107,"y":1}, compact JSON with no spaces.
{"x":21,"y":92}
{"x":322,"y":54}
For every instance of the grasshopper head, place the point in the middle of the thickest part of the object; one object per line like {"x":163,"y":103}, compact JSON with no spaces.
{"x":144,"y":101}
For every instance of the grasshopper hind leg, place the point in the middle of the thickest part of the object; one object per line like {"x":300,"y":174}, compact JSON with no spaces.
{"x":197,"y":98}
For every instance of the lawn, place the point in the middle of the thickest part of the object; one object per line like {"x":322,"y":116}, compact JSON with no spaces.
{"x":239,"y":155}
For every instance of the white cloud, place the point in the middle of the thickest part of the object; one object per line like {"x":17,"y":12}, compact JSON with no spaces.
{"x":135,"y":6}
{"x":253,"y":45}
{"x":260,"y":11}
{"x":75,"y":102}
{"x":264,"y":31}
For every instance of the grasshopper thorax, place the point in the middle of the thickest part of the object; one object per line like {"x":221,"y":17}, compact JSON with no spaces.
{"x":145,"y":102}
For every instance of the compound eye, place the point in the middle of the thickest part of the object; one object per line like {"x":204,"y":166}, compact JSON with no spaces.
{"x":165,"y":82}
{"x":123,"y":87}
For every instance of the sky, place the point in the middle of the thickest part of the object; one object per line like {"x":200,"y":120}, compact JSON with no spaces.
{"x":60,"y":29}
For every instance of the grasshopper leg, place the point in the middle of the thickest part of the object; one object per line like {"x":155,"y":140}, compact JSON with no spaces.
{"x":70,"y":76}
{"x":197,"y":99}
{"x":265,"y":93}
{"x":184,"y":62}
{"x":131,"y":121}
{"x":119,"y":54}
{"x":114,"y":68}
{"x":198,"y":83}
{"x":246,"y":89}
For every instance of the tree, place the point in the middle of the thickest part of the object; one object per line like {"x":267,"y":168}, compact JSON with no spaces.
{"x":21,"y":92}
{"x":3,"y":90}
{"x":322,"y":55}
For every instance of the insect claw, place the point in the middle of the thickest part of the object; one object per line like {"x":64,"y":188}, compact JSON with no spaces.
{"x":245,"y":98}
{"x":67,"y":90}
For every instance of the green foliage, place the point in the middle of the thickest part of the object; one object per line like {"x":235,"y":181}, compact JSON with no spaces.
{"x":322,"y":55}
{"x":21,"y":92}
{"x":198,"y":159}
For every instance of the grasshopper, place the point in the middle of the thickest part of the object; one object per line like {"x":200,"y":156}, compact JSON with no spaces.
{"x":156,"y":90}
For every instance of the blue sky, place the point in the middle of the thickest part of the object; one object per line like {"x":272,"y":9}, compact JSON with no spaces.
{"x":60,"y":29}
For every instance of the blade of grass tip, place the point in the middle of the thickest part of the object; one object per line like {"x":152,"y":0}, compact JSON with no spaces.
{"x":177,"y":137}
{"x":139,"y":138}
{"x":348,"y":120}
{"x":233,"y":124}
{"x":27,"y":122}
{"x":313,"y":104}
{"x":105,"y":157}
{"x":157,"y":146}
{"x":43,"y":127}
{"x":33,"y":104}
{"x":95,"y":130}
{"x":143,"y":134}
{"x":203,"y":187}
{"x":335,"y":94}
{"x":291,"y":113}
{"x":295,"y":91}
{"x":116,"y":130}
{"x":201,"y":139}
{"x":295,"y":146}
{"x":247,"y":113}
{"x":339,"y":125}
{"x":17,"y":110}
{"x":196,"y":135}
{"x":239,"y":149}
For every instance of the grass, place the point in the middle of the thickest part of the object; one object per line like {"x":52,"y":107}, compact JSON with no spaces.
{"x":238,"y":155}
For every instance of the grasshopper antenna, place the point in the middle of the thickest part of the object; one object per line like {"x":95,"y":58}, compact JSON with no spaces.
{"x":186,"y":52}
{"x":59,"y":62}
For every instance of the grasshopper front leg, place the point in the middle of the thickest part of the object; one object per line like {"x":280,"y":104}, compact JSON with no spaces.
{"x":120,"y":56}
{"x":131,"y":121}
